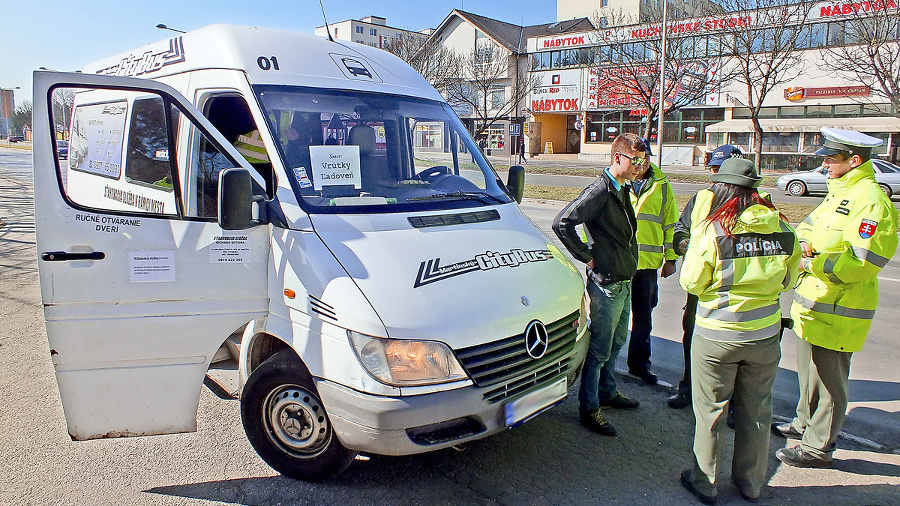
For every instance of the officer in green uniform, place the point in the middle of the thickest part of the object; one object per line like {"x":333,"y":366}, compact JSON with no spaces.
{"x":846,"y":241}
{"x":743,"y":254}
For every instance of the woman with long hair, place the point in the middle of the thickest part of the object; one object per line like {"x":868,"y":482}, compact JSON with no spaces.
{"x":741,"y":257}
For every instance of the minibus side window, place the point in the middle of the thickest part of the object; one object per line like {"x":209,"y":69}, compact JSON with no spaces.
{"x":147,"y":159}
{"x":231,"y":116}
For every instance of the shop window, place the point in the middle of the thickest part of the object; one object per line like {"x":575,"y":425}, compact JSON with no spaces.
{"x":781,"y":142}
{"x":812,"y":141}
{"x":740,"y":113}
{"x":836,"y":33}
{"x":847,"y":111}
{"x":768,"y":112}
{"x":795,"y":111}
{"x":876,"y":110}
{"x":818,"y":111}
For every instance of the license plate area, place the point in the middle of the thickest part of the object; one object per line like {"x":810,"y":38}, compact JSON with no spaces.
{"x":533,"y":403}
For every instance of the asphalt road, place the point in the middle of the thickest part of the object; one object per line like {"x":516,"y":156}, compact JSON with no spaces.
{"x":550,"y":460}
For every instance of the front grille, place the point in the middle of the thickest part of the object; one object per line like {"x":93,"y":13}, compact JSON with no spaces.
{"x":505,"y":367}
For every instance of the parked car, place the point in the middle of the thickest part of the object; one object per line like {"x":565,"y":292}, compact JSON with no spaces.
{"x":804,"y":182}
{"x":15,"y":138}
{"x":62,"y":148}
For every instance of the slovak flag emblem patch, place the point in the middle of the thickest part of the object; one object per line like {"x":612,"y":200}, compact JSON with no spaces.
{"x":867,"y":228}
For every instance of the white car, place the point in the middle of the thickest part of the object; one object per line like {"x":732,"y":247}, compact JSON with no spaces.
{"x":805,"y":182}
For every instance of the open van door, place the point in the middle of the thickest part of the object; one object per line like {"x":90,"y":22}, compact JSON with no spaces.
{"x":139,"y":287}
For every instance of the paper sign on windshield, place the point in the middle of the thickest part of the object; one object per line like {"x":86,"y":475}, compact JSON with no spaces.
{"x":335,"y":165}
{"x":97,"y":134}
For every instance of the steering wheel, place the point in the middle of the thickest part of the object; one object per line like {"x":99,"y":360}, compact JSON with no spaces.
{"x":431,"y":172}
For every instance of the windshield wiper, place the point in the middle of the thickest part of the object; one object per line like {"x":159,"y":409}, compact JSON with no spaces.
{"x":479,"y":196}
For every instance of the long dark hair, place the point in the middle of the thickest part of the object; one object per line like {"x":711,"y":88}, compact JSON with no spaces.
{"x":730,"y":200}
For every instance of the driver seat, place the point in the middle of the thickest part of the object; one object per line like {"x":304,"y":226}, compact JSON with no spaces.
{"x":373,"y":168}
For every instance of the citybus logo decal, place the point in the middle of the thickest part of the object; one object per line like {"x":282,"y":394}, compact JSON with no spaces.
{"x":431,"y":271}
{"x":133,"y":66}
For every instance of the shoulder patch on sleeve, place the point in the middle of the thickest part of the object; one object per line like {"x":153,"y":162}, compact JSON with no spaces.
{"x":867,"y":228}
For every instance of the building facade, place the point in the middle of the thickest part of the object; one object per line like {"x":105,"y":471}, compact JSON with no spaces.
{"x":371,"y":31}
{"x":577,"y":108}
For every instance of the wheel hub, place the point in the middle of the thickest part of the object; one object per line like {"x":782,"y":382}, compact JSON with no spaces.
{"x":297,"y":420}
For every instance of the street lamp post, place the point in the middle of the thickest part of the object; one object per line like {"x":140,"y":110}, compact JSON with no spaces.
{"x":164,"y":27}
{"x":661,"y":106}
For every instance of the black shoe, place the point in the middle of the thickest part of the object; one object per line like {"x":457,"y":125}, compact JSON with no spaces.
{"x":786,"y":430}
{"x":729,"y":420}
{"x":679,"y":400}
{"x":796,"y":457}
{"x":621,"y":402}
{"x":686,"y":483}
{"x":595,"y":422}
{"x":646,"y":375}
{"x":746,"y":497}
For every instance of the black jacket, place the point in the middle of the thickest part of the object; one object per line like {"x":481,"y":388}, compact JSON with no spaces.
{"x":609,"y":219}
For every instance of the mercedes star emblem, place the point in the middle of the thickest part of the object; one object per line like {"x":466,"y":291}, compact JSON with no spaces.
{"x":536,"y":339}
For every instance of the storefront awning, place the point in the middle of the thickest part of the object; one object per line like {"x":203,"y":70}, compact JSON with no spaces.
{"x":876,"y":124}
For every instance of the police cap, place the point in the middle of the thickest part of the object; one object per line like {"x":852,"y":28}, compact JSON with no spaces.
{"x":847,"y":141}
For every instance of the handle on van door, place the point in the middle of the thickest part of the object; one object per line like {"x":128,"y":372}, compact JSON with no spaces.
{"x":62,"y":256}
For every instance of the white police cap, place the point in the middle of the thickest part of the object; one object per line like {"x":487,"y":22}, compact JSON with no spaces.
{"x":849,"y":141}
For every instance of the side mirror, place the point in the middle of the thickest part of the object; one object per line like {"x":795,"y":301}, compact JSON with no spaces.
{"x":235,"y":199}
{"x":515,"y":182}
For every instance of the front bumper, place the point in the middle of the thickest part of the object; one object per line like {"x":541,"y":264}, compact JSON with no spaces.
{"x":419,"y":423}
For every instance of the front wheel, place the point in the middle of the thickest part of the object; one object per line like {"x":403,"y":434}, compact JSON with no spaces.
{"x":286,"y":423}
{"x":796,"y":188}
{"x":887,"y":190}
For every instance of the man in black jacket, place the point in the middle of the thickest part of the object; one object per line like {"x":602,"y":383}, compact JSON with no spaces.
{"x":604,"y":209}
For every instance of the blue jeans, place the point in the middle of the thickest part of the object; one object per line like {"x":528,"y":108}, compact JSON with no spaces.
{"x":610,"y":308}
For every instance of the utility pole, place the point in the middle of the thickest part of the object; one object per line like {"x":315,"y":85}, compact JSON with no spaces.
{"x":661,"y":106}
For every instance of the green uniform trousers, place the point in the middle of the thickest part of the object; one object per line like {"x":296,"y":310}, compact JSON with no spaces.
{"x":824,"y":382}
{"x":742,"y":371}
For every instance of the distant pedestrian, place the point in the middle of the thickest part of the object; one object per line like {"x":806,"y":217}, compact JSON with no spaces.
{"x":846,"y":241}
{"x":604,"y":208}
{"x":694,"y":211}
{"x":522,"y":158}
{"x":654,"y":205}
{"x":743,"y":254}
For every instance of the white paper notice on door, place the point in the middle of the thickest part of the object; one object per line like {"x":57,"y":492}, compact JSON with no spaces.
{"x":151,"y":266}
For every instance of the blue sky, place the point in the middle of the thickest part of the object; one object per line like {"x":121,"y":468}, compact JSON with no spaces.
{"x":67,"y":35}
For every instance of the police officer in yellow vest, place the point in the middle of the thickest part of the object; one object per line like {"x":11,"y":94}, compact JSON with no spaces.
{"x":251,"y":146}
{"x":743,"y":254}
{"x":654,"y":204}
{"x":846,"y":241}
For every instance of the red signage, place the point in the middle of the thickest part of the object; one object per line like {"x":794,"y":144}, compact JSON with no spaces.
{"x":795,"y":93}
{"x":853,"y":7}
{"x":564,"y":42}
{"x":559,"y":104}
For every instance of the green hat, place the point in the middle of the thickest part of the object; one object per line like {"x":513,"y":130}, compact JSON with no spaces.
{"x":737,"y":171}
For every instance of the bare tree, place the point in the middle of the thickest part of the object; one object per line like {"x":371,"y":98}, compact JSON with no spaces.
{"x":629,"y":72}
{"x":489,"y":85}
{"x":21,"y":118}
{"x":869,"y":50}
{"x":438,"y":64}
{"x":763,"y":45}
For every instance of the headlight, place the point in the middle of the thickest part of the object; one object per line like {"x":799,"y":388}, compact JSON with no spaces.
{"x":406,"y":363}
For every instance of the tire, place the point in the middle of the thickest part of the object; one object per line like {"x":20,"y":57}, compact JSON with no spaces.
{"x":286,"y":423}
{"x":796,"y":188}
{"x":887,"y":190}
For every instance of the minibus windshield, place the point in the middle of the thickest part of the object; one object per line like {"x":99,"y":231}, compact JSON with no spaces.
{"x":346,"y":149}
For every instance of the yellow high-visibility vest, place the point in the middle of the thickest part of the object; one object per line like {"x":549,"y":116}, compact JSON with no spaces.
{"x":656,"y":214}
{"x":251,"y":146}
{"x":738,"y":278}
{"x":854,"y":232}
